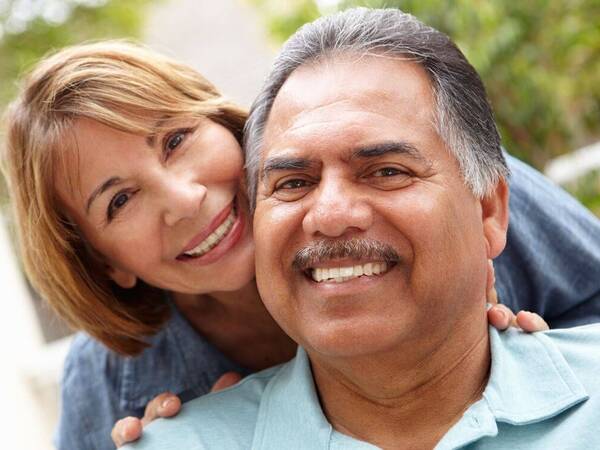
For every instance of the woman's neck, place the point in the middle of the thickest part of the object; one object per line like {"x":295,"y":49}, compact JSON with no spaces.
{"x":238,"y":324}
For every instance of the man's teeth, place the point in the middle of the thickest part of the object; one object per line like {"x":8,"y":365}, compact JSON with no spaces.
{"x":341,"y":274}
{"x":214,"y":238}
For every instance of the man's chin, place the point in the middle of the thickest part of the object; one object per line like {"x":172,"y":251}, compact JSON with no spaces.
{"x":351,"y":338}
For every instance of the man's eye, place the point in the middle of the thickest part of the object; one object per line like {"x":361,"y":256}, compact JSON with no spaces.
{"x":292,"y":184}
{"x":388,"y":172}
{"x":117,"y":202}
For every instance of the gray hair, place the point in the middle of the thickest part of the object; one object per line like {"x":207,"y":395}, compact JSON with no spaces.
{"x":463,"y":119}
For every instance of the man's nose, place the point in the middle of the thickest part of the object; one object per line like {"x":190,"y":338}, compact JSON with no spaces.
{"x":337,"y":208}
{"x":181,"y":199}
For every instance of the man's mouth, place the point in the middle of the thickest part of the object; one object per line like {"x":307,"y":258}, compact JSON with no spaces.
{"x":214,"y":238}
{"x":346,"y":273}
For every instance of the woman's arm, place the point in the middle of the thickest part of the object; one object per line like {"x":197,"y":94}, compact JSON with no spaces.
{"x":551,"y":264}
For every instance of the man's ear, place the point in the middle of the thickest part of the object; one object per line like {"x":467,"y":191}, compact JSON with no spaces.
{"x":494,"y":212}
{"x":124,"y":279}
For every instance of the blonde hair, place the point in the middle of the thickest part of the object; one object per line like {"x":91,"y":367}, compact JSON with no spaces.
{"x":127,"y":87}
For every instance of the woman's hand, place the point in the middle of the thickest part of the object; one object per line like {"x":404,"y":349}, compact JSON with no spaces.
{"x":501,"y":317}
{"x":130,"y":429}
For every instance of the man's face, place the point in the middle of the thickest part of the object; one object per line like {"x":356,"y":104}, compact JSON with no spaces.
{"x":351,"y":154}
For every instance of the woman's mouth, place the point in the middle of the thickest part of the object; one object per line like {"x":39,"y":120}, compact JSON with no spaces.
{"x":214,"y":238}
{"x":223,"y":233}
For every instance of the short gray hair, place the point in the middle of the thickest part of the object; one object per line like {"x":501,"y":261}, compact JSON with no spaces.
{"x":464,"y":118}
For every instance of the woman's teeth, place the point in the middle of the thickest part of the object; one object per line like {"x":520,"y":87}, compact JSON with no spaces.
{"x":341,"y":274}
{"x":214,"y":238}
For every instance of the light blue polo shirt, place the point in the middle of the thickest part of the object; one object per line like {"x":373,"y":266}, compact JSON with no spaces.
{"x":543,"y":393}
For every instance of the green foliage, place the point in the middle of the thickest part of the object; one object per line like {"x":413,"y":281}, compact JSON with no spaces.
{"x":539,"y":59}
{"x":587,"y":190}
{"x":285,"y":17}
{"x":117,"y":18}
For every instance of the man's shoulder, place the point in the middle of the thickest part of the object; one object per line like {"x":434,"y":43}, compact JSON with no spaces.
{"x":225,"y":419}
{"x":580,"y":347}
{"x":583,"y":334}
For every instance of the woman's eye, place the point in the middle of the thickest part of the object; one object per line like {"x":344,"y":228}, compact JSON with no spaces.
{"x":117,"y":202}
{"x":173,"y":141}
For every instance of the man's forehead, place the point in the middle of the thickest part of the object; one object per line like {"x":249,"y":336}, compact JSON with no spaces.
{"x":346,"y":93}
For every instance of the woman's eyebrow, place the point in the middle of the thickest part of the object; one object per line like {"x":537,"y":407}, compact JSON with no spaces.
{"x":100,"y":190}
{"x":151,"y":138}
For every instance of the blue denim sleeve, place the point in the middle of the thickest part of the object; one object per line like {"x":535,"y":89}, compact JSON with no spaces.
{"x":89,"y":398}
{"x":551,"y":264}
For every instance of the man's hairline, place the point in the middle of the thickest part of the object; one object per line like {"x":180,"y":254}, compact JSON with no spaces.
{"x":328,"y":56}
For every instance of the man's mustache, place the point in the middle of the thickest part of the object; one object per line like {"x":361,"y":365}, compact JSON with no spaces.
{"x":326,"y":250}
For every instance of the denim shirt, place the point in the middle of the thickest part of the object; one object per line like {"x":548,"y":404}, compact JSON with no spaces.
{"x":99,"y":386}
{"x":551,"y":265}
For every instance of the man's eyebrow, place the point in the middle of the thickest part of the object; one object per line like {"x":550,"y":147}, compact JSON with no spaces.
{"x":100,"y":190}
{"x":384,"y":148}
{"x":285,"y":163}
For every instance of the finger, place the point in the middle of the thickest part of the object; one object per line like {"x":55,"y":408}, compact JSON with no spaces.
{"x":531,"y":322}
{"x":501,"y":317}
{"x":492,"y":296}
{"x":126,"y":430}
{"x":163,"y":405}
{"x":227,"y":379}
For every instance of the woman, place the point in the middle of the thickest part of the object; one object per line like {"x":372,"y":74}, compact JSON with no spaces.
{"x":125,"y":171}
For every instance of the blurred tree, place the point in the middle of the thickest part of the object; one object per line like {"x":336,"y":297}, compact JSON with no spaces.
{"x":587,"y":190}
{"x":539,"y":59}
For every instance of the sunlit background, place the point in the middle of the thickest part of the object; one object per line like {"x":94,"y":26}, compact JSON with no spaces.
{"x":539,"y":59}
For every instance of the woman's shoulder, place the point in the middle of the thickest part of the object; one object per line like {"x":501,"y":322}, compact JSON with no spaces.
{"x":90,"y":395}
{"x":88,"y":358}
{"x":177,"y":359}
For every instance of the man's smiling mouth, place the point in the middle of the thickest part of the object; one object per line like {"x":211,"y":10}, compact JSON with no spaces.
{"x":346,"y":273}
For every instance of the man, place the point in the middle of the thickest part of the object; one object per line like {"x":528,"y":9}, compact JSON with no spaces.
{"x":380,"y":196}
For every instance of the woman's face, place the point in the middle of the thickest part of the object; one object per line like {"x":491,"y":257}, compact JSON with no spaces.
{"x":167,"y":209}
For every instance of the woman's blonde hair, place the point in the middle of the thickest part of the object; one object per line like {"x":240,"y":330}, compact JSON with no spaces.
{"x":127,"y":87}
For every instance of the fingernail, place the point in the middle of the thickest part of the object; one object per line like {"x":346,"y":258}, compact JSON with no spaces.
{"x":166,"y":403}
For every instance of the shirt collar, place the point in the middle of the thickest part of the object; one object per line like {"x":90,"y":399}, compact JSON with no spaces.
{"x":290,"y":414}
{"x":530,"y":381}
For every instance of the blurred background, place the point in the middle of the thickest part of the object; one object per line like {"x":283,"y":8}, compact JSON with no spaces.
{"x":540,"y":61}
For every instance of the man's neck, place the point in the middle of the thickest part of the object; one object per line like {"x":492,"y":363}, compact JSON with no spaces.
{"x":393,"y":402}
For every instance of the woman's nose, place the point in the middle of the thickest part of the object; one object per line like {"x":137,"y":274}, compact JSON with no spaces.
{"x":182,"y":200}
